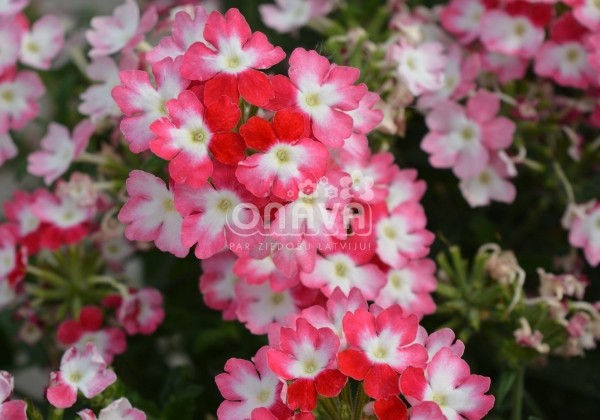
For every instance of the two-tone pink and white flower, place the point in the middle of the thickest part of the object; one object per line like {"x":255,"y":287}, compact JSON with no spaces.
{"x":12,"y":7}
{"x":511,"y":34}
{"x":42,"y":43}
{"x":20,"y":92}
{"x":247,"y":386}
{"x":322,"y":91}
{"x":491,"y":184}
{"x":191,"y":132}
{"x":462,"y":139}
{"x":11,"y":33}
{"x":59,"y":150}
{"x":447,"y":381}
{"x":462,"y":18}
{"x":230,"y":60}
{"x":307,"y":357}
{"x":119,"y":409}
{"x":10,"y":409}
{"x":142,"y":103}
{"x":585,"y":233}
{"x":80,"y":370}
{"x":150,"y":214}
{"x":420,"y":67}
{"x":290,"y":15}
{"x":8,"y":149}
{"x":141,"y":312}
{"x":217,"y":283}
{"x":401,"y":236}
{"x":285,"y":157}
{"x":381,"y":348}
{"x":122,"y":30}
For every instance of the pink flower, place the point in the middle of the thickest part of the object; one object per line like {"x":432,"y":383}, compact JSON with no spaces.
{"x":192,"y":131}
{"x":97,"y":101}
{"x":188,"y":28}
{"x":307,"y":357}
{"x":216,"y":215}
{"x":444,"y":338}
{"x":404,"y":187}
{"x":511,"y":34}
{"x":8,"y":149}
{"x":259,"y":306}
{"x":12,"y":7}
{"x":291,"y":15}
{"x":410,"y":287}
{"x":124,"y":29}
{"x":447,"y":381}
{"x":150,"y":214}
{"x":491,"y":183}
{"x":42,"y":42}
{"x":19,"y":99}
{"x":462,"y":18}
{"x":258,"y":271}
{"x":217,"y":283}
{"x":402,"y":236}
{"x":19,"y":211}
{"x":143,"y":104}
{"x":11,"y":33}
{"x":141,"y":312}
{"x":460,"y":73}
{"x":381,"y":348}
{"x":332,"y":315}
{"x":59,"y":150}
{"x":13,"y":410}
{"x":64,"y":221}
{"x":462,"y":140}
{"x":87,"y":328}
{"x":345,"y":271}
{"x":505,"y":67}
{"x":249,"y":385}
{"x":120,"y":409}
{"x":285,"y":157}
{"x":80,"y":370}
{"x":324,"y":92}
{"x":585,"y":233}
{"x":586,"y":12}
{"x":231,"y":58}
{"x":420,"y":67}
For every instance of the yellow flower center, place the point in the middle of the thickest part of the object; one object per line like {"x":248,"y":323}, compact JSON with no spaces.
{"x":277,"y":298}
{"x":312,"y":100}
{"x":341,"y":270}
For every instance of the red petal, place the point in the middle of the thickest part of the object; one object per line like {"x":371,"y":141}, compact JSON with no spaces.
{"x":91,"y":318}
{"x":290,"y":125}
{"x":258,"y":134}
{"x":354,"y":363}
{"x":285,"y":93}
{"x":227,"y":148}
{"x":381,"y":382}
{"x":254,"y":86}
{"x":413,"y":383}
{"x":222,"y":115}
{"x":390,"y":409}
{"x":222,"y":84}
{"x":69,"y":332}
{"x":302,"y":394}
{"x":330,"y":382}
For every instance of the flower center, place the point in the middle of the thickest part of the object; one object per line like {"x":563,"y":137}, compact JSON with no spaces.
{"x":410,"y":63}
{"x":199,"y":136}
{"x":485,"y":178}
{"x":396,"y":281}
{"x":282,"y":155}
{"x":341,"y":270}
{"x":8,"y":96}
{"x":380,"y":353}
{"x":519,"y":29}
{"x":468,"y":133}
{"x":169,"y":205}
{"x":572,"y":54}
{"x":390,"y":232}
{"x":225,"y":204}
{"x":263,"y":396}
{"x":277,"y":298}
{"x":75,"y":376}
{"x":312,"y":99}
{"x":440,"y":399}
{"x":310,"y":366}
{"x":597,"y":4}
{"x":32,"y":47}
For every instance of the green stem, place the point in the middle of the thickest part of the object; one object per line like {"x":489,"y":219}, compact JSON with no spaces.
{"x":360,"y":401}
{"x":57,"y":414}
{"x":48,"y":276}
{"x":329,"y":406}
{"x":517,"y":409}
